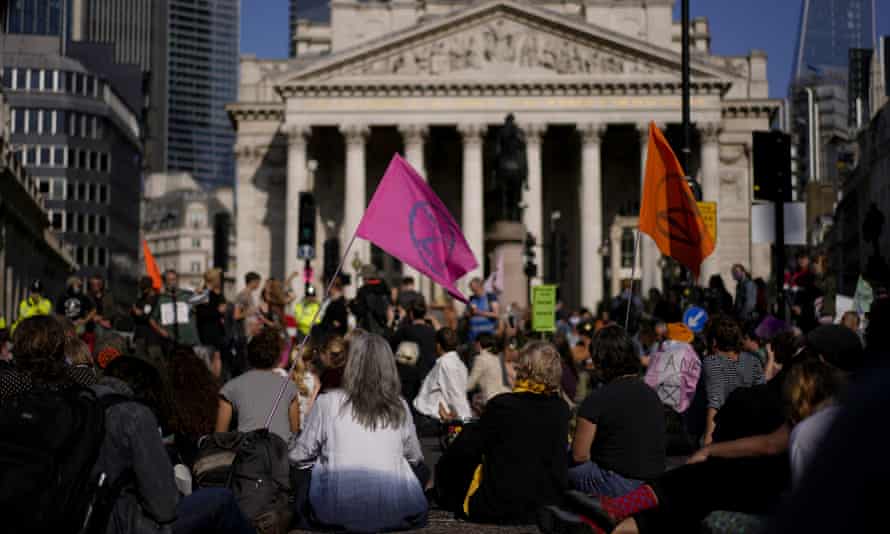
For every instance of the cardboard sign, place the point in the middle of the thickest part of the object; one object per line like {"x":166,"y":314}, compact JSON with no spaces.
{"x":544,"y":308}
{"x":708,"y":212}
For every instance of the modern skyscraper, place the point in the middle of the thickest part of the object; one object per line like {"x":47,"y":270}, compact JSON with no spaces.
{"x":203,"y":78}
{"x":311,"y":10}
{"x":819,"y":99}
{"x":138,"y":31}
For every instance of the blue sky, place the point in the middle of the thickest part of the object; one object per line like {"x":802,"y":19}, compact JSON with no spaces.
{"x":737,"y":26}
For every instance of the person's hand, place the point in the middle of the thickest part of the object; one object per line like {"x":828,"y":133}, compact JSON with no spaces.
{"x":700,"y":456}
{"x":445,"y":414}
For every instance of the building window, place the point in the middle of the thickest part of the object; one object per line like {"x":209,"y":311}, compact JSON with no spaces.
{"x":69,"y":222}
{"x":56,"y":219}
{"x":80,"y":223}
{"x":61,"y":122}
{"x":46,"y":156}
{"x":627,"y":249}
{"x":104,"y":163}
{"x":91,"y":256}
{"x":81,"y":191}
{"x":94,"y":161}
{"x":82,"y":159}
{"x":78,"y":255}
{"x":91,"y":224}
{"x":18,"y":121}
{"x":196,"y":267}
{"x":69,"y":82}
{"x":57,"y":191}
{"x":102,"y":260}
{"x":47,"y":122}
{"x":196,"y":243}
{"x":33,"y":123}
{"x":59,"y":156}
{"x":30,"y":156}
{"x":44,"y":186}
{"x":103,"y":225}
{"x":90,"y":86}
{"x":103,"y":194}
{"x":34,"y":79}
{"x":91,"y":193}
{"x":78,"y":83}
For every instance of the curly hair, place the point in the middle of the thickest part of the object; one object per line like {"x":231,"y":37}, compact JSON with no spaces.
{"x":725,"y":334}
{"x":40,"y":349}
{"x":145,"y":381}
{"x":809,"y":384}
{"x":540,"y":363}
{"x":614,"y":353}
{"x":195,"y":394}
{"x":264,"y":349}
{"x":77,"y":352}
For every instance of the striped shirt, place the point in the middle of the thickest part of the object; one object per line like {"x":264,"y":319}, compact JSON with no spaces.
{"x":723,"y":376}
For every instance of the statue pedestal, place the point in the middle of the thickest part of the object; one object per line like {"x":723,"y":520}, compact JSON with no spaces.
{"x":505,"y":239}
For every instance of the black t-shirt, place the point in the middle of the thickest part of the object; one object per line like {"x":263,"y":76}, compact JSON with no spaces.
{"x":211,"y":328}
{"x":425,"y":337}
{"x":74,"y":306}
{"x":630,"y":429}
{"x":524,"y":457}
{"x":336,"y":317}
{"x":141,"y":327}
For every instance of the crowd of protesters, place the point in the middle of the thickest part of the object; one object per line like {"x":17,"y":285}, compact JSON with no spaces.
{"x":384,"y":406}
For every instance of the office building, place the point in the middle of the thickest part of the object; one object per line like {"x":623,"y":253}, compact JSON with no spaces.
{"x":178,"y":225}
{"x":203,"y":78}
{"x":73,"y":126}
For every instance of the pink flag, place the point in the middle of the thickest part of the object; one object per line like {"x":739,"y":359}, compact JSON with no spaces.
{"x":407,"y":220}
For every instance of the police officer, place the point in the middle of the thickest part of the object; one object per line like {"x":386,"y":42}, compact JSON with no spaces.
{"x":307,"y":310}
{"x":35,"y":304}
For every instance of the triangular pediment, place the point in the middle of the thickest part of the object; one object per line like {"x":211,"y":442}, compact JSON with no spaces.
{"x":500,"y":40}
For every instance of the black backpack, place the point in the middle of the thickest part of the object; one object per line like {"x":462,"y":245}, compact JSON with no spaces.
{"x":49,"y":444}
{"x":255,"y":466}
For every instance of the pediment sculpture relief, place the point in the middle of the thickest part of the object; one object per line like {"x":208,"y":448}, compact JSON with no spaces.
{"x":503,"y":45}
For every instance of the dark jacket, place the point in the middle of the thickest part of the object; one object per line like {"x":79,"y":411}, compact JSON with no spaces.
{"x":132,"y":442}
{"x":370,"y":306}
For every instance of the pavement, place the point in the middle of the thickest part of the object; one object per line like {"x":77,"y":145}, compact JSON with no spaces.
{"x":441,"y":522}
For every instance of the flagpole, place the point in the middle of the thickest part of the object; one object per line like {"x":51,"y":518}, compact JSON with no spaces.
{"x":302,"y":345}
{"x":633,"y":275}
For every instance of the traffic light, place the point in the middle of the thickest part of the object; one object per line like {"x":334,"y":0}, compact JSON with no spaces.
{"x":221,"y":240}
{"x":331,"y":258}
{"x":531,"y":269}
{"x":772,"y":166}
{"x":306,"y":240}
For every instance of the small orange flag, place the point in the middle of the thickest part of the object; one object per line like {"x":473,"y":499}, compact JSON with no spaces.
{"x":151,"y":267}
{"x":669,"y":213}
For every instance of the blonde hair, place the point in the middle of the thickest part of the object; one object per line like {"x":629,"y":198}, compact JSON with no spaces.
{"x":275,"y":294}
{"x":809,"y":385}
{"x":213,"y":277}
{"x":539,"y":363}
{"x":77,"y":352}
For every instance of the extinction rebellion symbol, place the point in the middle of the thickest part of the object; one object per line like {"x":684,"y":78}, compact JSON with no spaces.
{"x":434,"y":242}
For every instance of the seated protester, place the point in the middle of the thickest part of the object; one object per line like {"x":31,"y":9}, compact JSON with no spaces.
{"x":367,"y":468}
{"x":620,"y":434}
{"x":195,"y":396}
{"x":727,"y":368}
{"x":18,"y":377}
{"x":331,"y":361}
{"x":133,"y":447}
{"x":253,"y":394}
{"x":502,"y":469}
{"x":443,"y":394}
{"x":489,"y":374}
{"x":756,"y":464}
{"x":674,"y":369}
{"x":77,"y":354}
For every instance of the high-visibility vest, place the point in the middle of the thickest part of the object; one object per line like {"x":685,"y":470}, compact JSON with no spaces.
{"x":28,"y":309}
{"x":304,"y":312}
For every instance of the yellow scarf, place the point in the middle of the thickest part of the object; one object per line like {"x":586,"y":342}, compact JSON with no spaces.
{"x":527,"y":386}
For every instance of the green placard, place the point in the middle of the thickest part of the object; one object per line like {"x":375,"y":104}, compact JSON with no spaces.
{"x":544,"y":308}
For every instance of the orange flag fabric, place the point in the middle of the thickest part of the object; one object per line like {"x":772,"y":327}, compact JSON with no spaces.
{"x":151,"y":267}
{"x":669,"y":213}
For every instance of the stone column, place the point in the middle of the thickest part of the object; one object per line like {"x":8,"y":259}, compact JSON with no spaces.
{"x":710,"y":184}
{"x":297,"y":181}
{"x":473,"y":218}
{"x":414,"y":136}
{"x":355,"y":202}
{"x":591,"y":209}
{"x":533,"y":215}
{"x":650,"y":256}
{"x":246,"y":219}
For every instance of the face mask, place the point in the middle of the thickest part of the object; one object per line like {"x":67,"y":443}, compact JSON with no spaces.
{"x":76,"y":290}
{"x":574,"y":321}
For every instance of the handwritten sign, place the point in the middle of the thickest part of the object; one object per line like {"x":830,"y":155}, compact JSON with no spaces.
{"x":544,"y":308}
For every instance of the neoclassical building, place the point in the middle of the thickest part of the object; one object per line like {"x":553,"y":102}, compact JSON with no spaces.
{"x":433,"y":79}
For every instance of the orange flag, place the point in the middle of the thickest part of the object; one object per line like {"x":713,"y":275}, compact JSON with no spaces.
{"x":151,"y":267}
{"x":669,"y":213}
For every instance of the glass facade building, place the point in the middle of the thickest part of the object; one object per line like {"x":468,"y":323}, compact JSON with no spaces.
{"x":35,"y":17}
{"x":203,"y":78}
{"x":828,"y":30}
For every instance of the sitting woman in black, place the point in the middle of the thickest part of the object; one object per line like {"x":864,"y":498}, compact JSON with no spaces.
{"x":514,"y":460}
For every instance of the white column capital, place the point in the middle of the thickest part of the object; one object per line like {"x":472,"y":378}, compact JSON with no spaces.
{"x":592,"y":132}
{"x":710,"y":132}
{"x":297,"y":133}
{"x":414,"y":133}
{"x":533,"y":131}
{"x":472,"y":132}
{"x":355,"y":134}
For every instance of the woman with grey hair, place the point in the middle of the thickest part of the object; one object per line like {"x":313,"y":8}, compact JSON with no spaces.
{"x":363,"y":450}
